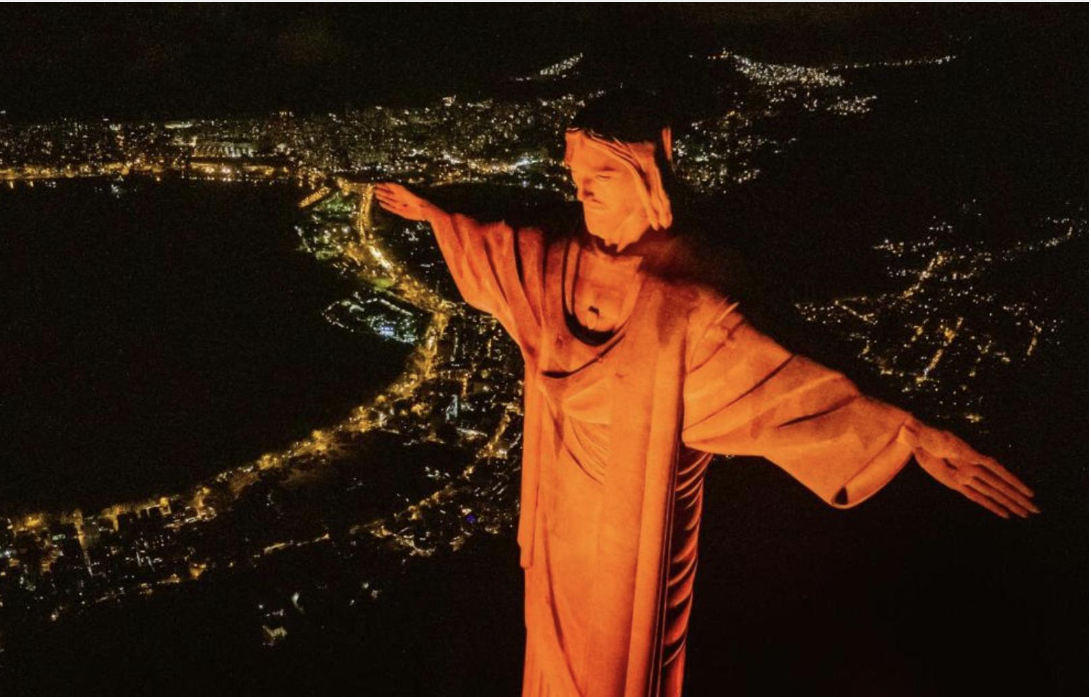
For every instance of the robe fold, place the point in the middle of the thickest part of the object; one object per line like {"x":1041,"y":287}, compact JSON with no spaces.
{"x":617,"y":440}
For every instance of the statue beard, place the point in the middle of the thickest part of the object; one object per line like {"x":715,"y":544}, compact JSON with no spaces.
{"x":612,"y":240}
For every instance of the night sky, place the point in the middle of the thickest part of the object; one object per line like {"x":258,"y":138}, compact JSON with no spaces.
{"x":170,"y":61}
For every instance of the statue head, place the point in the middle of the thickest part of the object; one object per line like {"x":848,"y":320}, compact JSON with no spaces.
{"x":618,"y":151}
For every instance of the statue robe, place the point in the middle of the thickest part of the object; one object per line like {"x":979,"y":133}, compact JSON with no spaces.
{"x":617,"y":439}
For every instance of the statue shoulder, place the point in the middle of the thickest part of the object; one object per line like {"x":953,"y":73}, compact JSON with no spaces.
{"x":695,"y":306}
{"x":712,"y":318}
{"x":707,"y":304}
{"x":702,"y":274}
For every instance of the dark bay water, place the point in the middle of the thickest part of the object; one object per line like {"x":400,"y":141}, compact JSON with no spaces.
{"x":152,"y":334}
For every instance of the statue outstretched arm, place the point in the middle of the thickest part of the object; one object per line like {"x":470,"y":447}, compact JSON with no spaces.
{"x":491,"y":263}
{"x":980,"y":478}
{"x":747,"y":395}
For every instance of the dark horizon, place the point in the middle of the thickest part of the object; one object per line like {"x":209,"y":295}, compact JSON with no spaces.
{"x":214,"y":60}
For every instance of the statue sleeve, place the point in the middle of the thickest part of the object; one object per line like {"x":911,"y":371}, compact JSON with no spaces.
{"x":496,"y":269}
{"x":747,"y":395}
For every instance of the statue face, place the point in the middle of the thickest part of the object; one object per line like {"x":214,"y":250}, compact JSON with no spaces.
{"x":609,"y":189}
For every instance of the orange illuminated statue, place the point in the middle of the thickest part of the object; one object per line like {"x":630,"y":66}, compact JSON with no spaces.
{"x":636,"y":374}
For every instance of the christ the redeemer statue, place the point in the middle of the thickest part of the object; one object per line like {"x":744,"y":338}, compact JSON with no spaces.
{"x":637,"y":373}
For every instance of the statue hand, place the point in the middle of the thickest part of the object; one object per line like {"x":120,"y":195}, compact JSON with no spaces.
{"x":979,"y":478}
{"x":401,"y":201}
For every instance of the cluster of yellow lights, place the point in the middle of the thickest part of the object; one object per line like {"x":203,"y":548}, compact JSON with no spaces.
{"x":373,"y":262}
{"x":371,"y":259}
{"x":381,"y":528}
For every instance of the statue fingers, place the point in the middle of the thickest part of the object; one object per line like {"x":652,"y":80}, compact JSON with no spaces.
{"x":384,"y":193}
{"x":1010,"y":493}
{"x":984,"y":501}
{"x":394,"y":188}
{"x":392,"y":202}
{"x":389,"y":194}
{"x":384,"y":189}
{"x":1000,"y":498}
{"x":395,"y":192}
{"x":994,"y":474}
{"x":387,"y":203}
{"x":999,"y":470}
{"x":395,"y":208}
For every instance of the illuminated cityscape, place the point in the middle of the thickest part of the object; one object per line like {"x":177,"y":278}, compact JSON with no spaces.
{"x":449,"y":427}
{"x":462,"y":384}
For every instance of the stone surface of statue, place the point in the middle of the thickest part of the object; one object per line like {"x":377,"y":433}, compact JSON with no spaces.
{"x":635,"y":376}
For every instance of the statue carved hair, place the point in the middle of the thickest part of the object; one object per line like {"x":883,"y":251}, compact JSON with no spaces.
{"x":636,"y":127}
